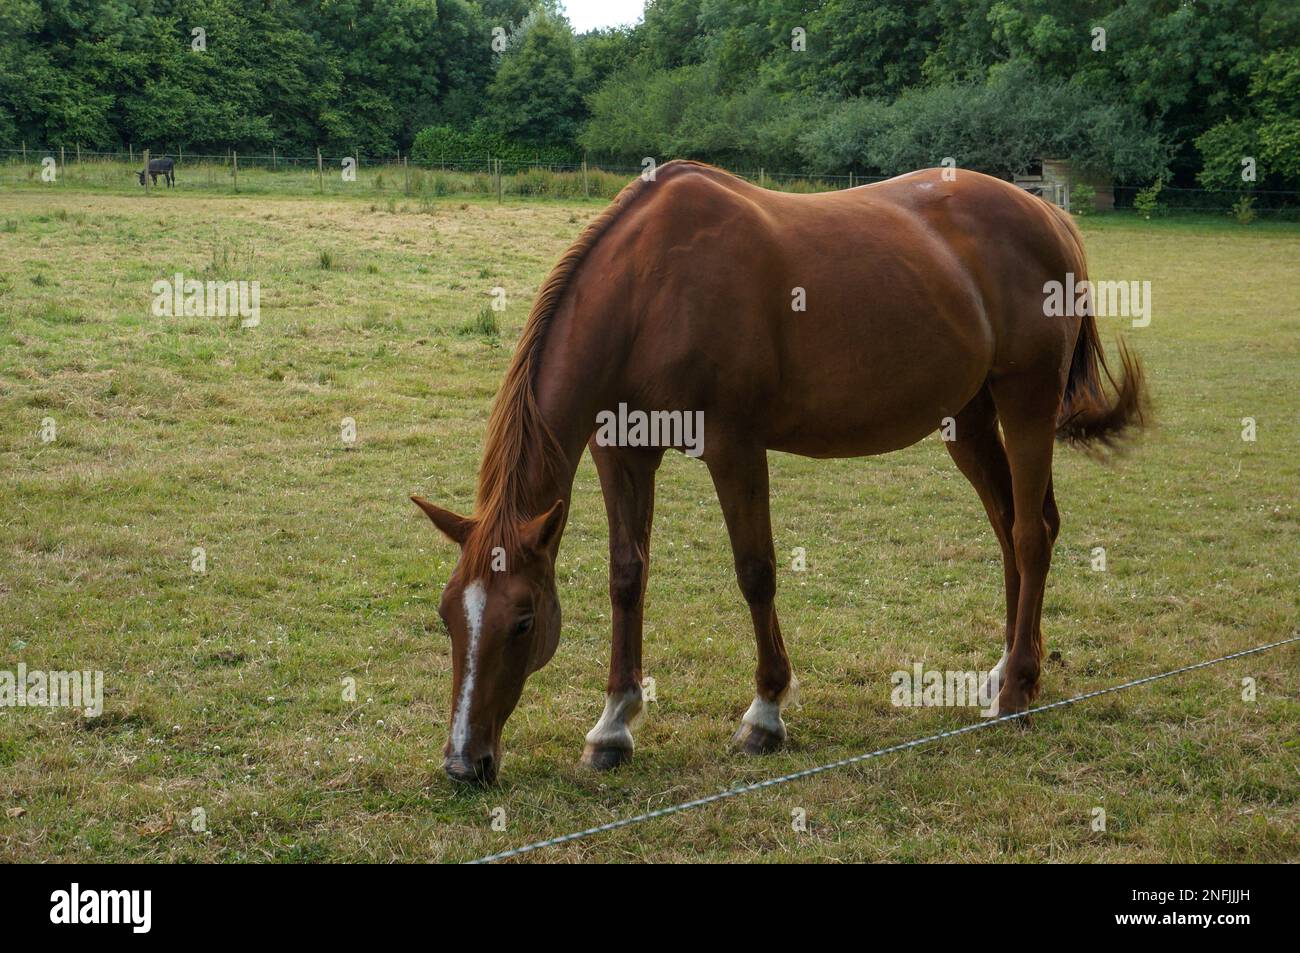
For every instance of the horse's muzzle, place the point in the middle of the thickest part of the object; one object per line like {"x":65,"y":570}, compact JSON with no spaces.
{"x":482,"y":771}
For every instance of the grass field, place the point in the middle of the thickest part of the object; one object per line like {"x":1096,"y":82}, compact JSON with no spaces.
{"x":224,"y":688}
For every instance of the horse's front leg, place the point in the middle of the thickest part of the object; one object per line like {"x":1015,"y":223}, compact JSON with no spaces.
{"x":627,"y":480}
{"x":740,"y":477}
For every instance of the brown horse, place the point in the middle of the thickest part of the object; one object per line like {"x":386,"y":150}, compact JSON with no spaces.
{"x":833,"y":325}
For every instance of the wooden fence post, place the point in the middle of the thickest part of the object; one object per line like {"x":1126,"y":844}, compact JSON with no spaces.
{"x":320,"y":172}
{"x":235,"y":169}
{"x":78,"y":153}
{"x":146,"y":172}
{"x":130,"y":153}
{"x":274,"y":164}
{"x":24,"y":152}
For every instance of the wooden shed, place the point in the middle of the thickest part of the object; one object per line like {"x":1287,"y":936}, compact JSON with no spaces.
{"x":1055,"y":179}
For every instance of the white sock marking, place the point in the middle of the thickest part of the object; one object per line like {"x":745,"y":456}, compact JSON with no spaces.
{"x":767,"y":715}
{"x":474,"y":599}
{"x":614,"y":729}
{"x":996,"y":672}
{"x":992,"y":685}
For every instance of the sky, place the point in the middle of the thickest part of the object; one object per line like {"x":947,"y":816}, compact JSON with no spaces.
{"x":588,"y":14}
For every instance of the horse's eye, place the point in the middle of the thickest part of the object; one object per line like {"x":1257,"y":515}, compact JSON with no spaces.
{"x":523,"y":625}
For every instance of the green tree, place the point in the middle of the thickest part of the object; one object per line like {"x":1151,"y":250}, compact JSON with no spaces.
{"x":534,"y":95}
{"x":1001,"y":127}
{"x":1268,"y":132}
{"x":601,"y":54}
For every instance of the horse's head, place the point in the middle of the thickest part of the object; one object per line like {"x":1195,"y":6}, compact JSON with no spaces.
{"x":140,"y":176}
{"x":504,"y":622}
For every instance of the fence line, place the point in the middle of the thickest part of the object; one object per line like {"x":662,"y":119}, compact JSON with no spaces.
{"x":1276,"y":200}
{"x":857,"y":759}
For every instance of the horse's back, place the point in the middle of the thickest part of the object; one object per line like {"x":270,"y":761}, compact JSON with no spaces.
{"x":856,"y":320}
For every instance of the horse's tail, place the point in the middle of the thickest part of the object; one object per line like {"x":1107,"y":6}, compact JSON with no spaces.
{"x":1090,"y":418}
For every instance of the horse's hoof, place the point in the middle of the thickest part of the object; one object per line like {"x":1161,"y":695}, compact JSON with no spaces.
{"x":605,"y":758}
{"x":1011,"y":704}
{"x":761,"y":729}
{"x":1021,"y":723}
{"x":755,"y":739}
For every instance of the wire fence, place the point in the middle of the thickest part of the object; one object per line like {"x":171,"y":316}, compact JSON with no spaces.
{"x":738,"y":790}
{"x":336,"y":174}
{"x":487,"y":175}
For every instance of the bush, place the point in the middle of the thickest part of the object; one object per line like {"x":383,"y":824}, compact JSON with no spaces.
{"x":535,"y":182}
{"x":1243,"y":210}
{"x":1222,"y":149}
{"x":1082,"y":197}
{"x":1000,"y":127}
{"x":444,"y":145}
{"x":1147,"y":202}
{"x":686,"y":113}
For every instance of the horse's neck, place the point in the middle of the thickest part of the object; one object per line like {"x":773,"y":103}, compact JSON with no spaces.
{"x":577,"y":373}
{"x":547,"y":483}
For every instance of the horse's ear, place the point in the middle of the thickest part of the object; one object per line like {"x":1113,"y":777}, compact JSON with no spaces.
{"x":542,"y":533}
{"x":455,"y":528}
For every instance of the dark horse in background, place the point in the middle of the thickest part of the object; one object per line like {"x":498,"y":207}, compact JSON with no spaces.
{"x":164,"y":167}
{"x":923,"y":310}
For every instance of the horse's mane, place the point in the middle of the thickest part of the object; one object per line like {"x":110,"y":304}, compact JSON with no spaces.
{"x":516,"y":434}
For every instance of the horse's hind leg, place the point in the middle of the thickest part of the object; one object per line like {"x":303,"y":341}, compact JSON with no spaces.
{"x":627,"y":479}
{"x":978,"y":452}
{"x":740,"y":477}
{"x":1027,"y":406}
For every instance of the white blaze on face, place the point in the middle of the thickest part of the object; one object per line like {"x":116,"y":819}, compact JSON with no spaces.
{"x":474,"y":599}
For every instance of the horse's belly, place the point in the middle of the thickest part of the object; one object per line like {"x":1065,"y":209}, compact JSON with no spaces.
{"x":846,"y":434}
{"x":891,"y":341}
{"x":873,"y":398}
